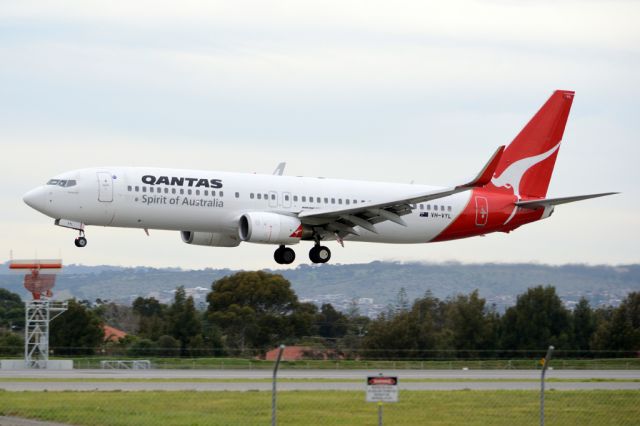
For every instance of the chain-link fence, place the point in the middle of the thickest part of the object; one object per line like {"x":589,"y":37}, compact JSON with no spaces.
{"x":235,"y":391}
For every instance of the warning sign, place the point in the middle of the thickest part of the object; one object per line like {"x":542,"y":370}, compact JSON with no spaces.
{"x":382,"y":389}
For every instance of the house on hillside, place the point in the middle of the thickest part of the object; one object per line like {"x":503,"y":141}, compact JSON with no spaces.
{"x":112,"y":334}
{"x":297,"y":353}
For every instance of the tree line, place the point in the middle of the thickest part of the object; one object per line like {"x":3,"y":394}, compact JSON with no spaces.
{"x":249,"y":313}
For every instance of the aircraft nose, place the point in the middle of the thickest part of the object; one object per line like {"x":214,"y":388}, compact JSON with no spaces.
{"x":36,"y":199}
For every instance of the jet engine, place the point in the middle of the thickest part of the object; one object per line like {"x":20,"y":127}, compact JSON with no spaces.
{"x":270,"y":228}
{"x":212,"y":239}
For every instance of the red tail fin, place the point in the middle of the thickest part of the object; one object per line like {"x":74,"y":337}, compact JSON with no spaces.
{"x":527,"y":163}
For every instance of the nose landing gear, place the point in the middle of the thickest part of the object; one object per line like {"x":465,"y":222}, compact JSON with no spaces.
{"x":80,"y":241}
{"x":284,"y":255}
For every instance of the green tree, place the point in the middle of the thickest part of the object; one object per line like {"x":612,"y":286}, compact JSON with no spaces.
{"x":621,"y":332}
{"x":119,"y":316}
{"x":168,"y":346}
{"x":11,"y":344}
{"x":11,"y":310}
{"x":184,"y":322}
{"x":583,"y":325}
{"x":252,"y":309}
{"x":76,"y":332}
{"x":472,"y":325}
{"x":331,"y":323}
{"x":142,"y":348}
{"x":151,"y":317}
{"x":536,"y":321}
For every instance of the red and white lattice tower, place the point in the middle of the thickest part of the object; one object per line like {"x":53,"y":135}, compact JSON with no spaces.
{"x":39,"y":279}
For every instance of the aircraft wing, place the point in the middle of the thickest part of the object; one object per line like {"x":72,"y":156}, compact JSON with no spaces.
{"x":546,"y":202}
{"x":342,"y":220}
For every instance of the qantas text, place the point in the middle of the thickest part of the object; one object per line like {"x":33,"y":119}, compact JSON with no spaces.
{"x":182,"y":181}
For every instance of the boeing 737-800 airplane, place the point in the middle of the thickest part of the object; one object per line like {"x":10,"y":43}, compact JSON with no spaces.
{"x":223,"y":209}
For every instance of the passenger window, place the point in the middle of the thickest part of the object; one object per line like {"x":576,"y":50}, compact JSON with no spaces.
{"x":188,"y":192}
{"x":129,"y":188}
{"x":347,"y":201}
{"x":251,"y":195}
{"x":144,"y":189}
{"x":173,"y":190}
{"x":304,"y":198}
{"x":295,"y":198}
{"x":151,"y":189}
{"x":428,"y":206}
{"x":237,"y":195}
{"x":213,"y":193}
{"x":197,"y":192}
{"x":273,"y":196}
{"x":449,"y":208}
{"x":441,"y":208}
{"x":166,"y":190}
{"x":355,"y":201}
{"x":259,"y":196}
{"x":326,"y":200}
{"x":221,"y":193}
{"x":181,"y":191}
{"x":137,"y":188}
{"x":286,"y":198}
{"x":421,"y":206}
{"x":339,"y":200}
{"x":206,"y":192}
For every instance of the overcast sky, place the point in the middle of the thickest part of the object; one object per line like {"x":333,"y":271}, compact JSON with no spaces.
{"x":373,"y":90}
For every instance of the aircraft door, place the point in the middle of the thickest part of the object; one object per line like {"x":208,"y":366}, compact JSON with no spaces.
{"x":482,"y":211}
{"x":286,"y":200}
{"x":105,"y":187}
{"x":273,"y":199}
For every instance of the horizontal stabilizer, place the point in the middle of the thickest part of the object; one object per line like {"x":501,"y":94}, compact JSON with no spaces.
{"x":546,"y":202}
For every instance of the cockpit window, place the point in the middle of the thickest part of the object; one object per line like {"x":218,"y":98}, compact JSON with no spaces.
{"x":62,"y":182}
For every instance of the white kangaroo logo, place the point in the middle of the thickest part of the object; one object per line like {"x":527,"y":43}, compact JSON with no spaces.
{"x":512,"y":175}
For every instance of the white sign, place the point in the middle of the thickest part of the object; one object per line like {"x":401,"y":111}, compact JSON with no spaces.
{"x":382,"y":389}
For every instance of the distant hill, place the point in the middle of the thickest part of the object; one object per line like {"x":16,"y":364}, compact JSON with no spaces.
{"x":380,"y":281}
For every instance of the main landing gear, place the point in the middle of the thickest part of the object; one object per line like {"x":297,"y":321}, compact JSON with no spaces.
{"x":80,"y":241}
{"x":285,"y":255}
{"x":319,"y":254}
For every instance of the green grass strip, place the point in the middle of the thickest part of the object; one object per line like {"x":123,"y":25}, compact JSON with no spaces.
{"x":323,"y":407}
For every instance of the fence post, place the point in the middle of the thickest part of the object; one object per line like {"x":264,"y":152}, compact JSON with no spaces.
{"x":545,"y":364}
{"x":273,"y":391}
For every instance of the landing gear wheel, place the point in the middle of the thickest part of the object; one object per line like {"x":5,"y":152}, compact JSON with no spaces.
{"x":320,"y":254}
{"x":80,"y":242}
{"x":284,"y":255}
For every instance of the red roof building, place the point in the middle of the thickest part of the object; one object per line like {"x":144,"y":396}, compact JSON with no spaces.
{"x":112,"y":334}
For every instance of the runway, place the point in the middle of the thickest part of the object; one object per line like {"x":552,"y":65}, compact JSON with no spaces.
{"x":306,"y":380}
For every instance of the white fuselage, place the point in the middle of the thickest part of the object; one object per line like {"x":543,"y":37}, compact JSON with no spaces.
{"x":209,"y":201}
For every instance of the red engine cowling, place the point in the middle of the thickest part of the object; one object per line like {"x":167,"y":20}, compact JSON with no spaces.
{"x":270,"y":228}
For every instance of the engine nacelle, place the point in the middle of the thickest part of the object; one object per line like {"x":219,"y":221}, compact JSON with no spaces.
{"x":212,"y":239}
{"x":270,"y":228}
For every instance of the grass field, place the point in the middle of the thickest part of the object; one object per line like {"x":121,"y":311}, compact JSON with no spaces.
{"x":324,"y":408}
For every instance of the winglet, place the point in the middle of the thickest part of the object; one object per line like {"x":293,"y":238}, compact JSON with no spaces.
{"x":280,"y":169}
{"x":485,"y":175}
